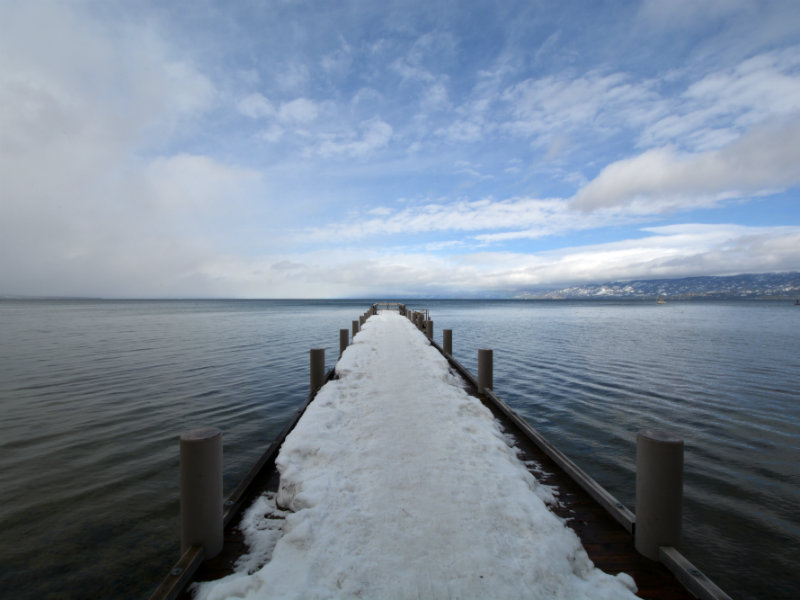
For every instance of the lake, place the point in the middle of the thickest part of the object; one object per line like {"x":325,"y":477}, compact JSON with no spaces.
{"x":94,"y":395}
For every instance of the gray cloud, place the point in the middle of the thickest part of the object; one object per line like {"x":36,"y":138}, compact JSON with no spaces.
{"x":763,"y":160}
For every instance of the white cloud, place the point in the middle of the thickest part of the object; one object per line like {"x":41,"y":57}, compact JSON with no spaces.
{"x":673,"y":251}
{"x":557,"y":105}
{"x":514,"y":218}
{"x":83,"y":210}
{"x":256,"y":106}
{"x":293,"y":77}
{"x":717,"y":108}
{"x":299,"y":110}
{"x":338,"y":61}
{"x":661,"y":180}
{"x":373,"y":135}
{"x":185,"y":184}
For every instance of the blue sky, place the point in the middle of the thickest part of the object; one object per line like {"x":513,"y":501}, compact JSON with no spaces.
{"x":349,"y":149}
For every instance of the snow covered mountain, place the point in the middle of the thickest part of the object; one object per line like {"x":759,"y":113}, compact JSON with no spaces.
{"x":764,"y":285}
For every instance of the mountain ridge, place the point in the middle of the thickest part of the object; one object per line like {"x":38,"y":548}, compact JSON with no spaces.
{"x":759,"y":285}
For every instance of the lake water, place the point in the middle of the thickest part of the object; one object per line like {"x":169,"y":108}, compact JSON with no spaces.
{"x":93,"y":396}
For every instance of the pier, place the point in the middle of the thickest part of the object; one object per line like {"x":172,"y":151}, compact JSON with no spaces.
{"x":424,"y":483}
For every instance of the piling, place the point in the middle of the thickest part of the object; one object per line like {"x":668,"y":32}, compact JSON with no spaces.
{"x":356,"y":328}
{"x":485,"y":370}
{"x":659,"y":491}
{"x":447,"y":341}
{"x":317,"y":368}
{"x":201,"y":490}
{"x":344,"y":340}
{"x":429,"y":329}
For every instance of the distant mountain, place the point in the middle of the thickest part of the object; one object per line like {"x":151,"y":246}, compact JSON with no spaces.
{"x":765,"y":285}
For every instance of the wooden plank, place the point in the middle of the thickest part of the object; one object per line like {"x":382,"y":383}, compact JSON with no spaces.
{"x":615,"y":508}
{"x":181,"y":575}
{"x":690,"y":576}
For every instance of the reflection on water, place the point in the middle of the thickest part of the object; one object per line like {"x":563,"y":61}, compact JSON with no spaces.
{"x":95,"y":394}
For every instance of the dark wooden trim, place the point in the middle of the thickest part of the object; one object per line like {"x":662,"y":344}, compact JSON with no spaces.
{"x":180,"y":576}
{"x":690,"y":576}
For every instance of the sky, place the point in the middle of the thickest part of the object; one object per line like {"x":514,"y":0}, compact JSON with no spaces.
{"x":298,"y":149}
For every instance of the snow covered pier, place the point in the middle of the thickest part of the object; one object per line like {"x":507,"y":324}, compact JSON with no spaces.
{"x":407,"y":478}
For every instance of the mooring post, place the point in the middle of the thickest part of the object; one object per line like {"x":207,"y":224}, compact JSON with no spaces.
{"x":317,"y":368}
{"x":485,"y":370}
{"x":429,"y":329}
{"x":344,"y":339}
{"x":447,"y":341}
{"x":355,"y":328}
{"x":201,"y":490}
{"x":659,"y":491}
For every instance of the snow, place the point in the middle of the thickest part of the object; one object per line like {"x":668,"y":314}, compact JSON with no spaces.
{"x":398,"y":484}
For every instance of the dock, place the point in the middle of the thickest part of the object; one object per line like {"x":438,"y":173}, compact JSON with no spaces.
{"x":402,"y":470}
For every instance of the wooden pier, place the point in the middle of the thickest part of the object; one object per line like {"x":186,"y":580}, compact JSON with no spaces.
{"x":605,"y":527}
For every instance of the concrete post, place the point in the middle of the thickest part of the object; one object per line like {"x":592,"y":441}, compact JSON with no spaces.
{"x":344,"y":339}
{"x":447,"y":341}
{"x":659,"y":491}
{"x":317,"y":368}
{"x":201,"y":490}
{"x":485,"y":370}
{"x":356,"y":328}
{"x":429,"y":329}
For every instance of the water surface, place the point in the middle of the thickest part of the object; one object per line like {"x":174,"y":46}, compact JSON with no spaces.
{"x":95,"y":393}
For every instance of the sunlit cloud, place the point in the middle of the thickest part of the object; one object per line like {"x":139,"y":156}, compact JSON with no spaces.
{"x":763,"y":160}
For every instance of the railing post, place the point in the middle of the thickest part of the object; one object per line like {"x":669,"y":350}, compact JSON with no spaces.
{"x":201,"y":490}
{"x":429,"y":329}
{"x":344,"y":339}
{"x":447,"y":341}
{"x":317,"y":368}
{"x":659,"y":491}
{"x":485,"y":370}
